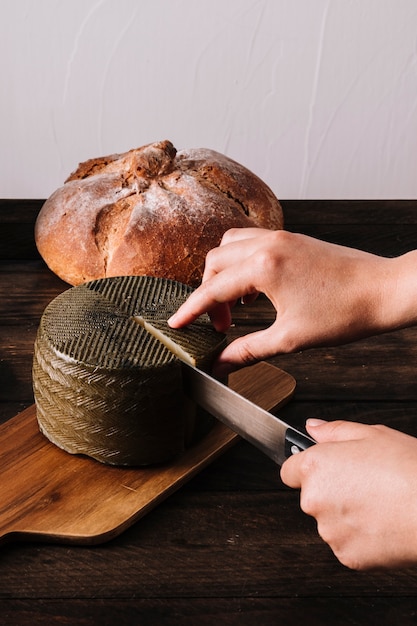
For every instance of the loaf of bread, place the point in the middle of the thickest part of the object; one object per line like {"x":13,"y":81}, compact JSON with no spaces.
{"x":108,"y":388}
{"x":150,"y":211}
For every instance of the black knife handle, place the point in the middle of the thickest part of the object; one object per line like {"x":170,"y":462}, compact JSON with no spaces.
{"x":296,"y":442}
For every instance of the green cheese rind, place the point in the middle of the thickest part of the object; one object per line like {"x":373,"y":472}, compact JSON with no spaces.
{"x":104,"y":386}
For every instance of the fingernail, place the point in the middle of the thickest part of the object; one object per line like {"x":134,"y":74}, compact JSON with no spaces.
{"x":171,"y":321}
{"x":314,"y":421}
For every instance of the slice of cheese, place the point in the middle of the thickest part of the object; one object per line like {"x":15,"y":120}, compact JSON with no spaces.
{"x":188,"y":344}
{"x":106,"y":373}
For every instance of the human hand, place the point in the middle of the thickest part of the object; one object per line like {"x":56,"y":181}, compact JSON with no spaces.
{"x":359,"y":483}
{"x":323,"y":293}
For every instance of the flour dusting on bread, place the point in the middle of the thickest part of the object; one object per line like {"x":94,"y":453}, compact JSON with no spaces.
{"x":150,"y":211}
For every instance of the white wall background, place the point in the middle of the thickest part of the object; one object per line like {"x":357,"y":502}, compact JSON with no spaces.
{"x":318,"y":97}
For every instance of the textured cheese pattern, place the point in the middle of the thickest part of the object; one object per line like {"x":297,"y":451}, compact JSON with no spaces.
{"x":106,"y":387}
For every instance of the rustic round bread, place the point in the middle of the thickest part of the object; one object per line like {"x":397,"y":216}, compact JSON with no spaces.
{"x":149,"y":211}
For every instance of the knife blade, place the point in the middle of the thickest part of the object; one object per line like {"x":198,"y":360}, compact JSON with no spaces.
{"x":275,"y":438}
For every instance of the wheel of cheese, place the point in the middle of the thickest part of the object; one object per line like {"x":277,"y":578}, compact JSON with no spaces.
{"x":107,"y":387}
{"x":149,"y":211}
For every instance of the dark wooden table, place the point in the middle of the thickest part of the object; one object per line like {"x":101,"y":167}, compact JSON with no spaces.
{"x":232,"y":546}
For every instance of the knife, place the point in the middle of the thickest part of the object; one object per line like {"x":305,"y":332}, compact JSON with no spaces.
{"x":267,"y":432}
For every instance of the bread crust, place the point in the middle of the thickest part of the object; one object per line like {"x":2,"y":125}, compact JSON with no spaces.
{"x":149,"y":211}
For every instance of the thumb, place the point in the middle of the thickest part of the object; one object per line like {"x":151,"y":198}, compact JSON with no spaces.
{"x":246,"y":350}
{"x":337,"y":430}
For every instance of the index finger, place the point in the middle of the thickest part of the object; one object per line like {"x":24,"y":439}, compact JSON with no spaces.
{"x":214,"y":295}
{"x":236,"y":243}
{"x":197,"y":304}
{"x":234,"y":235}
{"x":203,"y":300}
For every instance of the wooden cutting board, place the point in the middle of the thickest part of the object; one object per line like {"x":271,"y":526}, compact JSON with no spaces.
{"x":47,"y":494}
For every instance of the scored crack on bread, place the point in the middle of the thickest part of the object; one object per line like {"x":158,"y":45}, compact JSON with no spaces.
{"x":150,"y":211}
{"x":105,"y":386}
